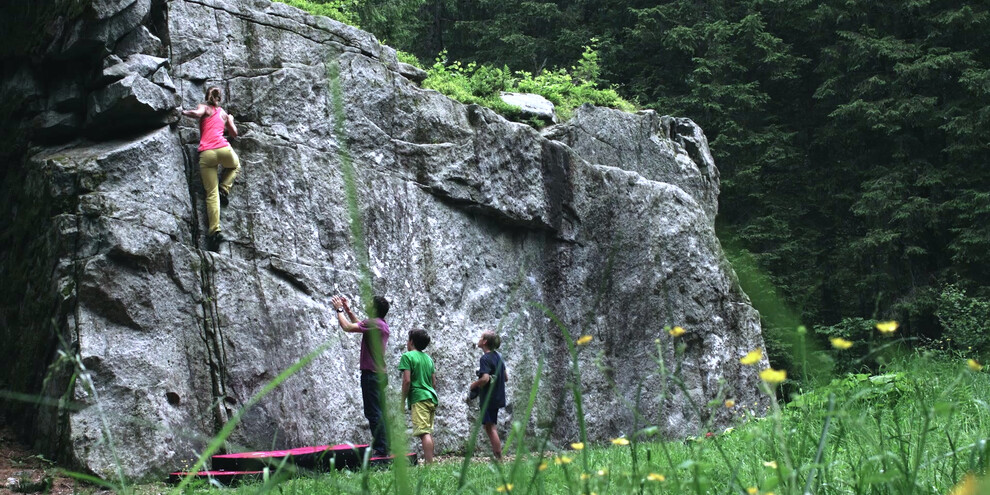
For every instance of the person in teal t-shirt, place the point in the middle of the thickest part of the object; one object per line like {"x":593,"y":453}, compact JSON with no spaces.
{"x":418,"y":388}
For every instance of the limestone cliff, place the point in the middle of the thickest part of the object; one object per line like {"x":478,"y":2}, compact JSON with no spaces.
{"x":470,"y":223}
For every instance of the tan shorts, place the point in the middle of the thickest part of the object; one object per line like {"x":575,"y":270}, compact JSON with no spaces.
{"x":423,"y":413}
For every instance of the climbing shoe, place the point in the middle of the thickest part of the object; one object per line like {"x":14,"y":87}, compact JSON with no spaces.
{"x":224,"y":200}
{"x":213,"y":241}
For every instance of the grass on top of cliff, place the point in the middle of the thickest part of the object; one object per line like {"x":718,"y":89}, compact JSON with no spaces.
{"x":918,"y":426}
{"x":567,"y":89}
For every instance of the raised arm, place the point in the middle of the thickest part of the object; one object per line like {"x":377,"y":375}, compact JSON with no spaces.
{"x":347,"y":323}
{"x":197,"y":113}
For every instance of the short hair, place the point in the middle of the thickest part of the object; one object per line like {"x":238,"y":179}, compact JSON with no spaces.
{"x":419,"y":338}
{"x":380,"y":305}
{"x":492,"y":339}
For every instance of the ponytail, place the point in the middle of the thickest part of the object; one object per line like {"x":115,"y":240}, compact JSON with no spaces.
{"x":213,"y":96}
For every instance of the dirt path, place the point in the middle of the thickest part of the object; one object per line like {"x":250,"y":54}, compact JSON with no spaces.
{"x":24,"y":471}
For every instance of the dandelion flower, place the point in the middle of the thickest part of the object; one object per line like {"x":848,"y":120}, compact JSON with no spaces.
{"x":773,"y":376}
{"x":656,"y":477}
{"x":543,"y":466}
{"x":602,"y":472}
{"x":585,"y":476}
{"x":968,"y":486}
{"x":562,"y":460}
{"x":887,"y":327}
{"x":505,"y":488}
{"x":770,"y":464}
{"x":584,"y":339}
{"x":752,"y":490}
{"x":677,"y":331}
{"x":729,"y":404}
{"x":620,"y":441}
{"x":577,"y":445}
{"x":974,"y":365}
{"x":840,"y":343}
{"x":752,"y":357}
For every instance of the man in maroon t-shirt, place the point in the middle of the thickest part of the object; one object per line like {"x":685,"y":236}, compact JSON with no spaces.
{"x":372,"y":363}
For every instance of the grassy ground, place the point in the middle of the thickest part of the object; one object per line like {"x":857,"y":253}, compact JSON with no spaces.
{"x":919,"y":426}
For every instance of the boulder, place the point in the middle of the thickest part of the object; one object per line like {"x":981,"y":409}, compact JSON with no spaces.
{"x":602,"y":226}
{"x":532,"y":106}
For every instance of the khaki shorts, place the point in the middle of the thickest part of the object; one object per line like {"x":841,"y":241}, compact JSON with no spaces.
{"x":423,"y":413}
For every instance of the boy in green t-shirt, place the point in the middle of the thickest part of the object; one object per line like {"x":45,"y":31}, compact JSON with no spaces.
{"x":418,"y":388}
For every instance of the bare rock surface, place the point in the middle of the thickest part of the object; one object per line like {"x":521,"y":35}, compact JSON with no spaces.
{"x":602,"y":225}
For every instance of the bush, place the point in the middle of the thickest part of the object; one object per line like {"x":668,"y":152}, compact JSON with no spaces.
{"x":339,"y":10}
{"x":481,"y":84}
{"x":964,"y":319}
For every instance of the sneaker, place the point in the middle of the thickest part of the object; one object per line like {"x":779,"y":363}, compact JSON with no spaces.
{"x":213,"y":241}
{"x":224,"y":199}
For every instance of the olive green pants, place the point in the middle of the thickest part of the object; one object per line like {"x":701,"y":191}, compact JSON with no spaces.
{"x":209,"y":163}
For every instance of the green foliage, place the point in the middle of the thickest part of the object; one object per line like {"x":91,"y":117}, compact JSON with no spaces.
{"x":339,"y":10}
{"x":965,"y":319}
{"x":856,"y":330}
{"x":918,"y":427}
{"x":482,"y":84}
{"x":408,"y":58}
{"x":849,"y":135}
{"x":885,"y":390}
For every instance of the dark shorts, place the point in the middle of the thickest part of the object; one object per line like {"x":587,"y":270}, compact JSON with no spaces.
{"x":491,"y":416}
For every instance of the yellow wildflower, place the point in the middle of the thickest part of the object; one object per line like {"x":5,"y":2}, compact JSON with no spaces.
{"x":770,"y":464}
{"x":562,"y":460}
{"x":752,"y":357}
{"x":752,"y":490}
{"x":543,"y":466}
{"x":584,"y":339}
{"x":840,"y":343}
{"x":887,"y":327}
{"x":505,"y":488}
{"x":968,"y":486}
{"x":677,"y":331}
{"x":974,"y":365}
{"x":585,"y":476}
{"x":773,"y":376}
{"x":602,"y":472}
{"x":620,"y":441}
{"x":655,"y":477}
{"x":730,"y":404}
{"x":577,"y":445}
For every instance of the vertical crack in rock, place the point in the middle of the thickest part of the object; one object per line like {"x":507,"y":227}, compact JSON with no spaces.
{"x":212,"y":334}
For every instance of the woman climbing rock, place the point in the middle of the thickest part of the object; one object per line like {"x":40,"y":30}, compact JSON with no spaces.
{"x":214,"y":152}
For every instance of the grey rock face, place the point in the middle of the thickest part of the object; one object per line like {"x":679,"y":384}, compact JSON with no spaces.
{"x":142,"y":65}
{"x":139,"y":41}
{"x":471,"y":223}
{"x":127,"y":103}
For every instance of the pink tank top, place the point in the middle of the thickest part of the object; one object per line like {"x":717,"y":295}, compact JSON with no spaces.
{"x":211,"y":132}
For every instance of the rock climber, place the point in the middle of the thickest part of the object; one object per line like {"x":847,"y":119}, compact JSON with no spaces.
{"x":215,"y":152}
